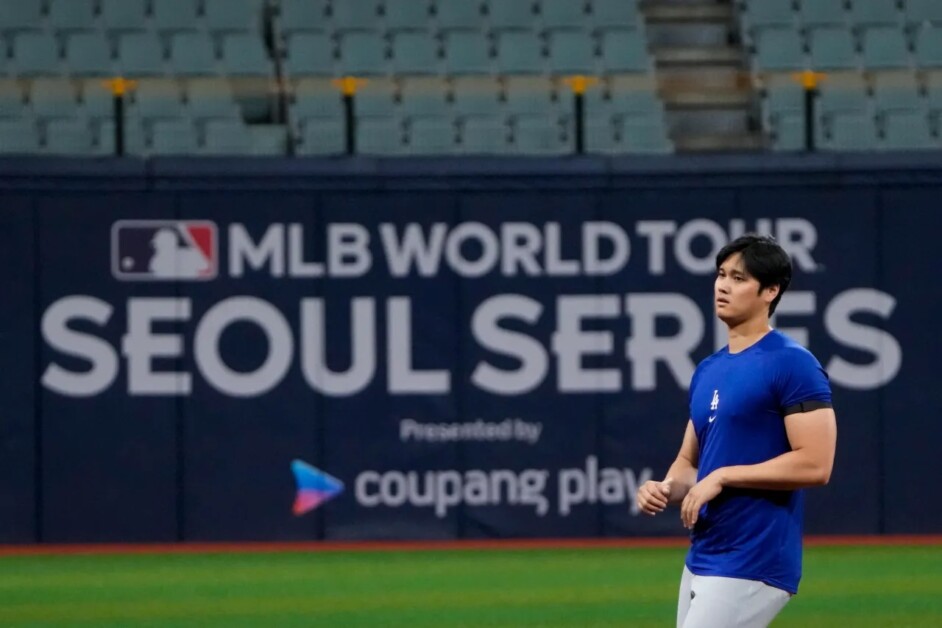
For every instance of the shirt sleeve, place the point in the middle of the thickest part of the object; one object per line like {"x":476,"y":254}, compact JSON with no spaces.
{"x":801,"y":378}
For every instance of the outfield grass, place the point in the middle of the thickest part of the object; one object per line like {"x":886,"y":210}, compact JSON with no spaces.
{"x":843,"y":586}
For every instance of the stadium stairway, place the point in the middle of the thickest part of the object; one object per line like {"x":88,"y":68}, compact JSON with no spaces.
{"x":703,"y":75}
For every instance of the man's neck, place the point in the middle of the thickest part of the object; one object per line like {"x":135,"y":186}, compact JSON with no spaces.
{"x":747,"y":333}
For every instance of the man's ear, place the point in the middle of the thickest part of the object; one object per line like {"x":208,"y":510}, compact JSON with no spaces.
{"x":770,"y":292}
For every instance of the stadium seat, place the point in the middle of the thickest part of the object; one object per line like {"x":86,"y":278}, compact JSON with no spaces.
{"x":210,"y":98}
{"x":377,"y":97}
{"x":226,"y":16}
{"x":615,"y":14}
{"x":16,"y":16}
{"x":483,"y":135}
{"x":823,"y":13}
{"x":140,"y":54}
{"x":624,"y":51}
{"x":134,"y":137}
{"x":511,"y":14}
{"x":302,"y":15}
{"x":787,"y":130}
{"x":636,"y":97}
{"x":414,"y":53}
{"x":12,"y":101}
{"x":467,"y":52}
{"x":355,"y":15}
{"x":192,"y":54}
{"x":760,"y":15}
{"x":476,"y":96}
{"x":842,"y":92}
{"x":906,"y":130}
{"x":316,"y":98}
{"x":529,"y":95}
{"x":539,"y":135}
{"x":407,"y":15}
{"x":173,"y":137}
{"x":832,"y":49}
{"x":850,"y":130}
{"x":97,"y":101}
{"x":424,"y":96}
{"x":244,"y":54}
{"x":644,"y":134}
{"x":362,"y":54}
{"x":72,"y":15}
{"x":88,"y":54}
{"x":929,"y":46}
{"x":36,"y":54}
{"x":309,"y":54}
{"x":897,"y":90}
{"x":459,"y":15}
{"x":158,"y":98}
{"x":519,"y":52}
{"x":268,"y":139}
{"x":600,"y":135}
{"x":227,"y":136}
{"x":68,"y":136}
{"x":919,"y":12}
{"x":175,"y":15}
{"x":779,"y":49}
{"x":563,"y":14}
{"x":875,"y":13}
{"x":885,"y":47}
{"x":783,"y":94}
{"x":124,"y":15}
{"x":571,"y":52}
{"x":53,"y":97}
{"x":379,"y":136}
{"x":20,"y":136}
{"x":321,"y":136}
{"x":431,"y":135}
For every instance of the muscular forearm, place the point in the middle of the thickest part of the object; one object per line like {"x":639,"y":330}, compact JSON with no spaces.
{"x":790,"y":471}
{"x":684,"y":475}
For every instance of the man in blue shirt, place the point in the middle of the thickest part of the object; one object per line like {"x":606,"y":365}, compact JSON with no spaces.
{"x":761,"y":429}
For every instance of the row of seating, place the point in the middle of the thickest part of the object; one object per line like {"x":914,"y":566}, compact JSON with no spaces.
{"x":444,"y":15}
{"x":859,"y":131}
{"x":837,"y":48}
{"x":63,"y":16}
{"x":365,"y":54}
{"x":757,"y":15}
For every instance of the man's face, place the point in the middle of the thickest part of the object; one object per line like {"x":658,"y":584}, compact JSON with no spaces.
{"x":736,"y":294}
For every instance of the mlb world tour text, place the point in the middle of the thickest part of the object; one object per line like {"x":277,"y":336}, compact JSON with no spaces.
{"x":515,"y":359}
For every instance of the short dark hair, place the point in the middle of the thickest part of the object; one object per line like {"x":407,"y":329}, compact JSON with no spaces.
{"x":764,"y":259}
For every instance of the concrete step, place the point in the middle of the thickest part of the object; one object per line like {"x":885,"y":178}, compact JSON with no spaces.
{"x":698,"y":55}
{"x":701,"y":13}
{"x":718,"y":143}
{"x":691,"y":98}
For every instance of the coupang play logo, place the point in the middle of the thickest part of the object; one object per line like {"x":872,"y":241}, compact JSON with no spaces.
{"x":314,"y":487}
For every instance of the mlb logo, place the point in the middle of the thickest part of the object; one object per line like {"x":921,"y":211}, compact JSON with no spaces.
{"x":164,"y":250}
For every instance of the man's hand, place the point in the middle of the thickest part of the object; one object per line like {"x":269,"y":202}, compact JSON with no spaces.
{"x":653,"y":497}
{"x":705,"y":490}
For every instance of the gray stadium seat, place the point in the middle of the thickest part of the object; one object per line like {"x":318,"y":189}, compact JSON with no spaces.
{"x":362,"y":53}
{"x":906,"y":130}
{"x":88,"y":54}
{"x":321,"y":136}
{"x":379,"y":136}
{"x":762,"y":14}
{"x":302,"y":15}
{"x":476,"y":96}
{"x":356,"y":15}
{"x":897,"y":90}
{"x":316,"y":98}
{"x":124,"y":15}
{"x":227,"y":136}
{"x":624,"y":51}
{"x":779,"y":49}
{"x":783,"y":94}
{"x":483,"y":135}
{"x":600,"y":135}
{"x":158,"y":98}
{"x":529,"y":95}
{"x":635,"y":97}
{"x":174,"y":137}
{"x":407,"y":15}
{"x":134,"y":137}
{"x":210,"y":98}
{"x":244,"y":54}
{"x":615,"y":14}
{"x":72,"y":15}
{"x":885,"y":47}
{"x":511,"y":14}
{"x":929,"y":46}
{"x":563,"y":14}
{"x":376,"y":98}
{"x":36,"y":54}
{"x":424,"y":96}
{"x":787,"y":130}
{"x":850,"y":130}
{"x":823,"y":13}
{"x":519,"y":52}
{"x":875,"y":13}
{"x":141,"y":54}
{"x":12,"y":99}
{"x":467,"y":52}
{"x":192,"y":54}
{"x":175,"y":15}
{"x":431,"y":135}
{"x":645,"y":134}
{"x":571,"y":52}
{"x":16,"y":15}
{"x":414,"y":53}
{"x":226,"y":16}
{"x":269,"y":139}
{"x":309,"y":54}
{"x":68,"y":136}
{"x":53,"y":97}
{"x":843,"y":92}
{"x":832,"y":49}
{"x":459,"y":15}
{"x":922,"y":11}
{"x":20,"y":136}
{"x":97,"y":101}
{"x":540,"y":135}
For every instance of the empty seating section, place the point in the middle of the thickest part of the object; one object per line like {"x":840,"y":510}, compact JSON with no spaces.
{"x":881,"y":60}
{"x":440,"y":76}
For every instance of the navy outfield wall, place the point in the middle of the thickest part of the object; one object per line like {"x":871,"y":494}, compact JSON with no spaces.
{"x":473,"y":348}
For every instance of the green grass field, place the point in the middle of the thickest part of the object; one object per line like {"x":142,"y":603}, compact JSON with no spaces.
{"x":843,"y":586}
